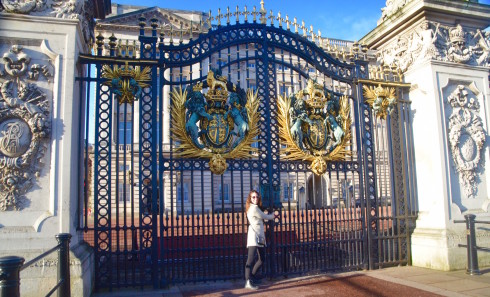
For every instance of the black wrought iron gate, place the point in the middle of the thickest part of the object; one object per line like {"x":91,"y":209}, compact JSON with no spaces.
{"x":156,"y":215}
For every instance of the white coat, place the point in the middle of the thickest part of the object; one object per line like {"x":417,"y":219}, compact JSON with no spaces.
{"x":256,"y":218}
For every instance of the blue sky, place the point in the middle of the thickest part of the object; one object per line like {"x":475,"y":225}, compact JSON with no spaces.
{"x":342,"y":19}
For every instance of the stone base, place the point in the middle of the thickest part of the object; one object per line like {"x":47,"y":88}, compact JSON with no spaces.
{"x":39,"y":278}
{"x":438,"y":249}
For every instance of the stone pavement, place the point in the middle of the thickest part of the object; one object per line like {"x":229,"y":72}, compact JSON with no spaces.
{"x":397,"y":281}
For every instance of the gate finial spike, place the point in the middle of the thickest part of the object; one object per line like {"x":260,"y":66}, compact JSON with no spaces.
{"x":162,"y":34}
{"x":288,"y":23}
{"x":208,"y":21}
{"x":218,"y":16}
{"x":237,"y":14}
{"x":263,"y":13}
{"x":245,"y":14}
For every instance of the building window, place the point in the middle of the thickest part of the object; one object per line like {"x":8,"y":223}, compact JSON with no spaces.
{"x":250,"y":65}
{"x":284,"y":90}
{"x":255,"y":144}
{"x":125,"y":132}
{"x":179,"y":78}
{"x":252,"y":86}
{"x":256,"y":185}
{"x":287,"y":191}
{"x":124,"y":191}
{"x":224,"y":192}
{"x":123,"y":167}
{"x":282,"y":68}
{"x":182,"y":192}
{"x":221,"y":63}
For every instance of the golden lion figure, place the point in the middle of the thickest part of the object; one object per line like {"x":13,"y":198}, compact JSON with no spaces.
{"x":214,"y":82}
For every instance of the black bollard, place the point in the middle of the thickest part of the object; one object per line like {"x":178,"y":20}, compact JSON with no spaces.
{"x":9,"y":276}
{"x":64,"y":264}
{"x":471,"y":248}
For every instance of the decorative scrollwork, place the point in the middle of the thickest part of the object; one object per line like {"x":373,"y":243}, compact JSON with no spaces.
{"x":24,"y":126}
{"x":382,"y":100}
{"x":127,"y":84}
{"x":466,"y":137}
{"x":317,"y":129}
{"x":218,"y":125}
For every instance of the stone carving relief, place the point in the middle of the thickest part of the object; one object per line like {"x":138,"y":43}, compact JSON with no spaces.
{"x":434,"y":41}
{"x":466,"y":136}
{"x":24,"y":125}
{"x":82,"y":10}
{"x":391,"y":7}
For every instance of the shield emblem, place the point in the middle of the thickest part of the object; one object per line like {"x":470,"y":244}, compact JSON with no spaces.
{"x":218,"y":129}
{"x":317,"y":134}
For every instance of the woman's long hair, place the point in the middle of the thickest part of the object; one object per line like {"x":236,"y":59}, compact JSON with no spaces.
{"x":249,"y":200}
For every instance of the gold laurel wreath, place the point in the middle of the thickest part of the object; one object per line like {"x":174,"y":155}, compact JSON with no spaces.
{"x":385,"y":93}
{"x":293,"y":152}
{"x":187,"y":149}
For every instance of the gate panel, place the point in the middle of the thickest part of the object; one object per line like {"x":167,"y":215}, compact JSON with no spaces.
{"x":162,"y":214}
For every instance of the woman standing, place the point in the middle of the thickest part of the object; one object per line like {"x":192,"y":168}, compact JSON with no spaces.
{"x":255,"y":237}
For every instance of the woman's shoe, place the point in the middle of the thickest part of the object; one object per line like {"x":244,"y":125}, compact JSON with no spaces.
{"x":256,"y":280}
{"x":250,"y":285}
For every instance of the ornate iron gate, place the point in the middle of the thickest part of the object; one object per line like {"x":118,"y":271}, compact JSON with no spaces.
{"x":168,"y":167}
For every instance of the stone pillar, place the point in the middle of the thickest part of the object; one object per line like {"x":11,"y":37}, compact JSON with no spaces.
{"x":40,"y":142}
{"x":444,"y":54}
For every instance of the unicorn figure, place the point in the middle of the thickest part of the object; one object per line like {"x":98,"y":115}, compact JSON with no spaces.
{"x":239,"y":114}
{"x":333,"y":121}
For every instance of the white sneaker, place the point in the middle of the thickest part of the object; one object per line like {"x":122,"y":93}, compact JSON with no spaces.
{"x":249,"y":285}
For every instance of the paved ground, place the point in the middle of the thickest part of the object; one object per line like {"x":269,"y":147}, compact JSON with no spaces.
{"x":397,"y":281}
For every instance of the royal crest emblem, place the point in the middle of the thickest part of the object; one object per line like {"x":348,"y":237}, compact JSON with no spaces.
{"x":382,"y":100}
{"x":315,"y":126}
{"x":219,"y":125}
{"x":125,"y":82}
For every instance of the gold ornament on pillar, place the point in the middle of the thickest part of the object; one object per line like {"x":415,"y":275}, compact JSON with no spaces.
{"x":125,"y":82}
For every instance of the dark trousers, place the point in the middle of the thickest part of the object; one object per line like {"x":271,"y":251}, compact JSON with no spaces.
{"x":252,"y":250}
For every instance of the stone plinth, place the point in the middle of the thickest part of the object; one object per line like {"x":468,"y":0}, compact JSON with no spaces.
{"x":444,"y":55}
{"x":40,"y":117}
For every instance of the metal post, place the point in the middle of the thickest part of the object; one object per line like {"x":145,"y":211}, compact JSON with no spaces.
{"x":471,"y":245}
{"x":64,"y":264}
{"x":9,"y":276}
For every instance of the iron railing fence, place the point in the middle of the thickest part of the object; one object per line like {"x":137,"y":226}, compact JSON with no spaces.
{"x":471,"y":245}
{"x":11,"y":266}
